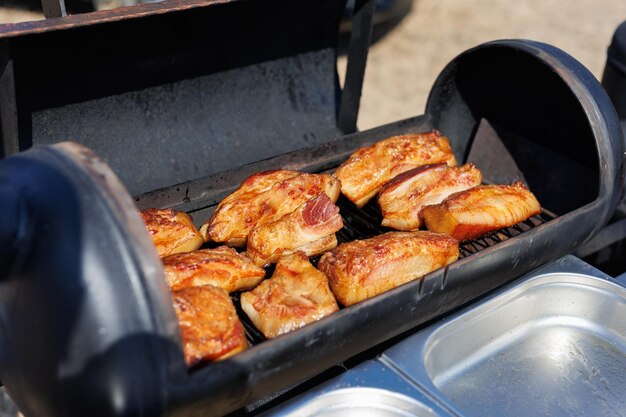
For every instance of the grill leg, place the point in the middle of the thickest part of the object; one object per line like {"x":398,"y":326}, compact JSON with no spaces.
{"x":53,"y":8}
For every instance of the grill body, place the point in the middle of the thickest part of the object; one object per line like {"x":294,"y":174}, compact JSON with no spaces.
{"x":87,"y":325}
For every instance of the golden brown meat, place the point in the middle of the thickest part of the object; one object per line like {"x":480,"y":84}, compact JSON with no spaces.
{"x":208,"y":324}
{"x":171,"y":231}
{"x":362,"y":269}
{"x":297,"y":294}
{"x":221,"y":267}
{"x":310,"y":229}
{"x":480,"y":210}
{"x":369,"y":168}
{"x":401,"y":200}
{"x":262,"y":198}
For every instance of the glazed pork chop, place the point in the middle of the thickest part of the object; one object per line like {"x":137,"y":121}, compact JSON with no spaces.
{"x":361,"y":269}
{"x":297,"y":294}
{"x":310,"y":229}
{"x":402,"y":199}
{"x":208,"y":323}
{"x":369,"y":168}
{"x":264,"y":197}
{"x":480,"y":210}
{"x":171,"y":231}
{"x":221,"y":267}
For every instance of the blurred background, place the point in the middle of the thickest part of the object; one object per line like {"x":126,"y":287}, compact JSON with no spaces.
{"x":418,"y":38}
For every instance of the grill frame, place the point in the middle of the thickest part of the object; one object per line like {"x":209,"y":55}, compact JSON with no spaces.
{"x":272,"y":365}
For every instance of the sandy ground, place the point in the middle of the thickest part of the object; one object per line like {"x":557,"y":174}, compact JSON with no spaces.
{"x":403,"y":66}
{"x":14,"y":11}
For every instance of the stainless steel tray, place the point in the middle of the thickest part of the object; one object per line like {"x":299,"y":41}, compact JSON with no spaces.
{"x":552,"y":344}
{"x":370,"y":389}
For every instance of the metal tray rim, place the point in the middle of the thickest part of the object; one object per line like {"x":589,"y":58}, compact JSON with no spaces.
{"x":576,"y":273}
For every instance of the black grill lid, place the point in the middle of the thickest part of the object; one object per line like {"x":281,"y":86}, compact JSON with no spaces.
{"x":89,"y":293}
{"x":176,"y":91}
{"x":539,"y":101}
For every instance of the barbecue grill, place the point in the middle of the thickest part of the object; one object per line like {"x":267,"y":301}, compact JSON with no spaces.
{"x":185,"y":100}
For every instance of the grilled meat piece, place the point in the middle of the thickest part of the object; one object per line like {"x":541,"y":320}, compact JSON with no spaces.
{"x":262,"y":198}
{"x":221,"y":267}
{"x":369,"y":168}
{"x":171,"y":231}
{"x":480,"y":210}
{"x":310,"y":228}
{"x":209,"y":324}
{"x":362,"y":269}
{"x":297,"y":294}
{"x":401,"y":200}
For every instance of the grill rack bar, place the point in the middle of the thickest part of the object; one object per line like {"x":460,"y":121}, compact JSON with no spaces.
{"x":363,"y":223}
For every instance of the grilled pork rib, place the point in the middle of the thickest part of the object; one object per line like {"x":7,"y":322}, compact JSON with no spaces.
{"x":480,"y":210}
{"x":362,"y":269}
{"x":401,"y":200}
{"x":208,"y":324}
{"x":221,"y":267}
{"x":171,"y":231}
{"x":310,"y":228}
{"x":264,"y":197}
{"x":297,"y":294}
{"x":369,"y":168}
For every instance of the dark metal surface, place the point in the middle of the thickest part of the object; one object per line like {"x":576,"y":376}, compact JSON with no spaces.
{"x":544,"y":96}
{"x":490,"y":153}
{"x":53,"y":8}
{"x":85,"y":314}
{"x":11,"y":30}
{"x":194,"y":90}
{"x":360,"y":38}
{"x":614,"y":75}
{"x":8,"y":105}
{"x":609,"y":235}
{"x":195,"y":127}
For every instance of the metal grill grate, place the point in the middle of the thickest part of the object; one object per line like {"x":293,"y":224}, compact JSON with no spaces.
{"x":365,"y":223}
{"x":472,"y":246}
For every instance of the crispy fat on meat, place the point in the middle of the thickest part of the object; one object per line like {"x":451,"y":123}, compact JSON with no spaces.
{"x":208,"y":323}
{"x":369,"y":168}
{"x":264,"y":197}
{"x":297,"y":294}
{"x":221,"y":267}
{"x":401,"y":200}
{"x":362,"y":269}
{"x":171,"y":231}
{"x":310,"y":228}
{"x":480,"y":210}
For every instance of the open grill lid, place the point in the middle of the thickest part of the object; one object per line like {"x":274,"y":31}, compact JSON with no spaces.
{"x":176,"y":91}
{"x":85,"y":315}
